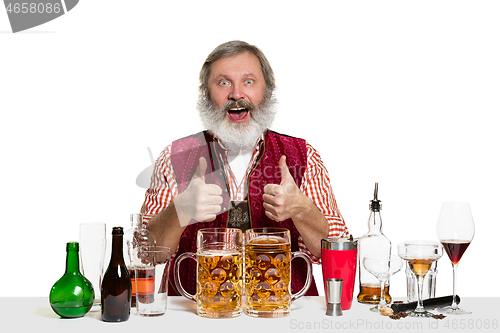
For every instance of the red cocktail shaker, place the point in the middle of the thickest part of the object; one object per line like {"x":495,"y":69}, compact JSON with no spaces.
{"x":339,"y":261}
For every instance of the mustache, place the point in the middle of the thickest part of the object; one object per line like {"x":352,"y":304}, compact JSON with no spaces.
{"x":238,"y":104}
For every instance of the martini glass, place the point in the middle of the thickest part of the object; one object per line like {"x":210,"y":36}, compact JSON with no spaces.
{"x":455,"y":230}
{"x":420,"y":256}
{"x":382,"y":267}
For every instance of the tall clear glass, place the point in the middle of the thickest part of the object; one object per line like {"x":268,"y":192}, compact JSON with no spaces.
{"x":135,"y":237}
{"x":92,"y":249}
{"x":455,"y":229}
{"x":151,"y":280}
{"x":429,"y":283}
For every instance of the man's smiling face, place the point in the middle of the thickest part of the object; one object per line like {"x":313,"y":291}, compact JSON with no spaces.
{"x":237,"y":86}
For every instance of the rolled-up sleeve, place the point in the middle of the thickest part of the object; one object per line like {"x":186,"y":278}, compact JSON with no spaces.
{"x":163,"y":187}
{"x":316,"y":185}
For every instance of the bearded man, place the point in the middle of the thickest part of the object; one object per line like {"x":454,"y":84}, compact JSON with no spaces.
{"x":239,"y":173}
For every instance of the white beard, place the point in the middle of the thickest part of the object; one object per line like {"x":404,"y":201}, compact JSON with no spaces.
{"x":237,"y":136}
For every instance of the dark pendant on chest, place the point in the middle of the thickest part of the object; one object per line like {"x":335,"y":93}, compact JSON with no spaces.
{"x":238,"y":215}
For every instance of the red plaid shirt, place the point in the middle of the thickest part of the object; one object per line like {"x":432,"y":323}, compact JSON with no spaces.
{"x":315,"y":184}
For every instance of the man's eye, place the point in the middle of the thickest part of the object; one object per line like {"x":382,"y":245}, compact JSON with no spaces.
{"x":249,"y":82}
{"x":223,"y":83}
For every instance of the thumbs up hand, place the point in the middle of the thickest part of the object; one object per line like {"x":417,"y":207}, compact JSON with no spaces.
{"x":285,"y":200}
{"x":200,"y":201}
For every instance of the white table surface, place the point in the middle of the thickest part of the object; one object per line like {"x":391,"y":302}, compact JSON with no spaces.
{"x":25,"y":314}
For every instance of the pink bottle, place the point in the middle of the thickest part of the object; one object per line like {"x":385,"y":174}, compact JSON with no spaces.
{"x":339,"y":261}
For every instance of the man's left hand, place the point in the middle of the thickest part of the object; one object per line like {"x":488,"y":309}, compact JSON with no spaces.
{"x":285,"y":200}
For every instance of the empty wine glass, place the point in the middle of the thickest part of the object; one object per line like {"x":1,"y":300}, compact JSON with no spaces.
{"x":382,"y":267}
{"x":455,"y":229}
{"x":420,"y":256}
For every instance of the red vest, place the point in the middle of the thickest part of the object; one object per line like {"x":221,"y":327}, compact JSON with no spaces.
{"x":185,"y":156}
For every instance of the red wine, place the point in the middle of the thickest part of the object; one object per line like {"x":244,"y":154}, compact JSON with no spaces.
{"x":455,"y":248}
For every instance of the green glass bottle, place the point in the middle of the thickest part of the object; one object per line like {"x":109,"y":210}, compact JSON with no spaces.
{"x":72,"y":296}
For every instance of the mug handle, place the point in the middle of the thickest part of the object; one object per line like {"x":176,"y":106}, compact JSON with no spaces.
{"x":307,"y":284}
{"x":177,"y":277}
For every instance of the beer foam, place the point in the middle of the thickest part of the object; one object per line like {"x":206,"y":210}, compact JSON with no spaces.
{"x":268,"y":240}
{"x":218,"y":252}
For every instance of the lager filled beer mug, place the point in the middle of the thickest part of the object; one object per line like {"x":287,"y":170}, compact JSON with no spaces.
{"x":219,"y":272}
{"x":268,"y":272}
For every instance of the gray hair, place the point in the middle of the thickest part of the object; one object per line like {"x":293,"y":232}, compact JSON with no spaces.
{"x":232,"y":48}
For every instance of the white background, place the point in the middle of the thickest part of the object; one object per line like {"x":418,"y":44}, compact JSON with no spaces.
{"x":404,"y":93}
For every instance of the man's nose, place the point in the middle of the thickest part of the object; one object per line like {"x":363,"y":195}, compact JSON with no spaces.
{"x":236,"y":93}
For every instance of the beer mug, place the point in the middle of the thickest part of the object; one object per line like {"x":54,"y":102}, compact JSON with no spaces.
{"x":268,"y":272}
{"x":219,"y":272}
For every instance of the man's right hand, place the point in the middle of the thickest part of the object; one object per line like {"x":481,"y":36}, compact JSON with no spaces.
{"x":200,"y":201}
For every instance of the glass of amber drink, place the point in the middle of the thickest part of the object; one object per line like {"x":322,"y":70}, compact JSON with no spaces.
{"x":219,"y":273}
{"x":151,"y":280}
{"x":268,"y":272}
{"x":420,"y":256}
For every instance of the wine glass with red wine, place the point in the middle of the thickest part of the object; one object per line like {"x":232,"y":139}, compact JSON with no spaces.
{"x":455,"y":229}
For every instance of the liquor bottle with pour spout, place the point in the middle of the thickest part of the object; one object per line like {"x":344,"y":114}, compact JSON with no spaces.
{"x":373,"y":242}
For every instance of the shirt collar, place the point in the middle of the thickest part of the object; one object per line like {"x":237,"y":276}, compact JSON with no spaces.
{"x":256,"y":146}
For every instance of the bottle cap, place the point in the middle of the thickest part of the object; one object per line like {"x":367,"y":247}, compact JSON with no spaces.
{"x":117,"y":231}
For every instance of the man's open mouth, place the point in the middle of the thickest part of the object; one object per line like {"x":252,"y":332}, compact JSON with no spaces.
{"x":237,"y":114}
